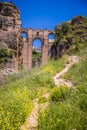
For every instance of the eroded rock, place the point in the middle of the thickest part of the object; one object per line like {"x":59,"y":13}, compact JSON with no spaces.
{"x":10,"y":25}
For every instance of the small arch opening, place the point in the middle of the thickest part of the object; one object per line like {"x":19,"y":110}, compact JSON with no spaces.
{"x":51,"y":36}
{"x":24,"y":35}
{"x":36,"y":52}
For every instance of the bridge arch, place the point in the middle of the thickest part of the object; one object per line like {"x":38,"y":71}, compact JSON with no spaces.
{"x":37,"y":45}
{"x":42,"y":35}
{"x":51,"y":35}
{"x":39,"y":38}
{"x":24,"y":34}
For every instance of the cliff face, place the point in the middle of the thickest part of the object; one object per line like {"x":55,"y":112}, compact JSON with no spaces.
{"x":10,"y":25}
{"x":69,"y":34}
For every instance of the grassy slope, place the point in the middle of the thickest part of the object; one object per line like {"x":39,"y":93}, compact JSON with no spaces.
{"x":71,"y":113}
{"x":17,"y":93}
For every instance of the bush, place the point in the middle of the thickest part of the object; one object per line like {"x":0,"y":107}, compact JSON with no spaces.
{"x":59,"y":93}
{"x":64,"y":27}
{"x":3,"y":52}
{"x":5,"y":55}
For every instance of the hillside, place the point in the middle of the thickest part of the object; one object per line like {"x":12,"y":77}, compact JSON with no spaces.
{"x":68,"y":108}
{"x":69,"y":34}
{"x":32,"y":100}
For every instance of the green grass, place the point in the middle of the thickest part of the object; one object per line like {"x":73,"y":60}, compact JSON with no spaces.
{"x":55,"y":67}
{"x":18,"y":91}
{"x":70,"y":113}
{"x":59,"y":94}
{"x":77,"y":73}
{"x":69,"y":109}
{"x":36,"y":55}
{"x":63,"y":116}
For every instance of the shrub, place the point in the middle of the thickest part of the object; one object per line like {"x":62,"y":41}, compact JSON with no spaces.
{"x":59,"y":93}
{"x":64,"y":27}
{"x":4,"y":52}
{"x":5,"y":55}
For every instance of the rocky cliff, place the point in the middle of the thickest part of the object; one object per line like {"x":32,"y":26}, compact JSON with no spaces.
{"x":10,"y":37}
{"x":10,"y":25}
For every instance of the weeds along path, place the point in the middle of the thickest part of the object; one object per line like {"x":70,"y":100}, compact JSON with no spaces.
{"x":32,"y":122}
{"x":58,"y":77}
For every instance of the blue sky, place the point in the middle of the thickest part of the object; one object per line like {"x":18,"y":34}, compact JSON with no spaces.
{"x":48,"y":13}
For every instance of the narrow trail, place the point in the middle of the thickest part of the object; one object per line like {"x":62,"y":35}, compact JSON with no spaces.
{"x":32,"y":121}
{"x":58,"y":77}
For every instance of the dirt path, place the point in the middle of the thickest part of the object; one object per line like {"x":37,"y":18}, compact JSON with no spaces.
{"x":32,"y":121}
{"x":58,"y":77}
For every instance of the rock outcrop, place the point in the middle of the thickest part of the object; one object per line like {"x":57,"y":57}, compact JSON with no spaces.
{"x":68,"y":34}
{"x":10,"y":25}
{"x":10,"y":32}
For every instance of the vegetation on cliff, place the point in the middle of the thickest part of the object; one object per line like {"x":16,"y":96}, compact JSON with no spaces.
{"x":5,"y":55}
{"x":68,"y":34}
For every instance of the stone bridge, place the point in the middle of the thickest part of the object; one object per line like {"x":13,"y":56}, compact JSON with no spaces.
{"x":31,"y":35}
